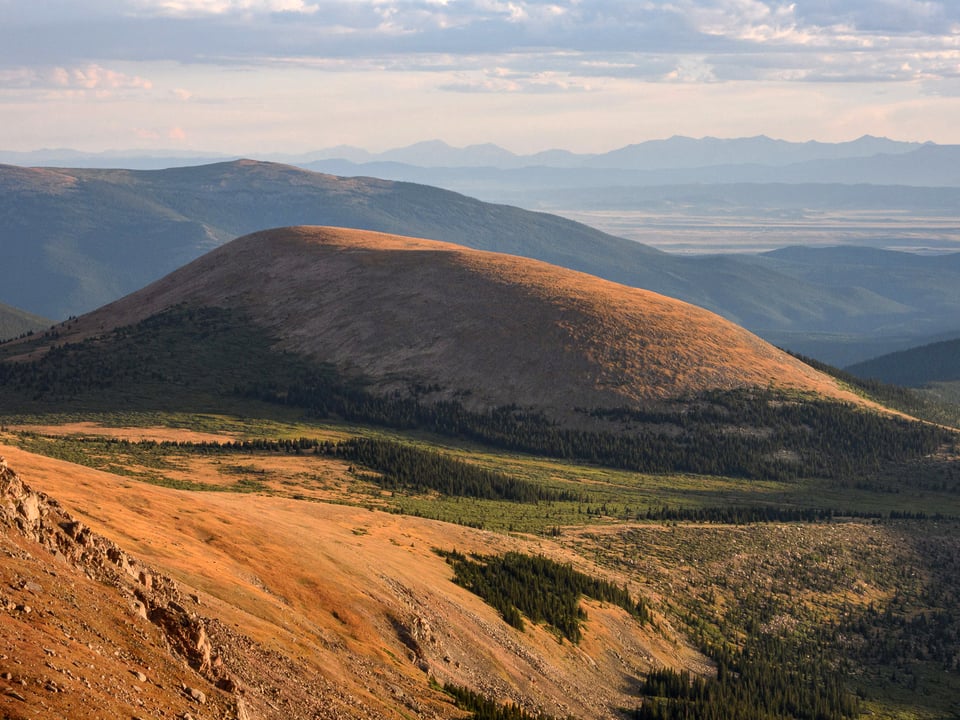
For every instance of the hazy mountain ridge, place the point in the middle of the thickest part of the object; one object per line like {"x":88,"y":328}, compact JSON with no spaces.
{"x":81,"y":238}
{"x":671,"y":153}
{"x":675,"y":152}
{"x":14,"y":322}
{"x":916,"y":367}
{"x":78,"y":239}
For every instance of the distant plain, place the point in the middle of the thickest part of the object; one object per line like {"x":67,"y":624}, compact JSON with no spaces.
{"x":700,"y":231}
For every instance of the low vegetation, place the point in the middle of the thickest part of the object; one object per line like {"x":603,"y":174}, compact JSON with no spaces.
{"x":482,"y":707}
{"x":805,"y":612}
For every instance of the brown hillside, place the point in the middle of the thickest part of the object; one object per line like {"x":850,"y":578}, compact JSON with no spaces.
{"x":500,"y":328}
{"x":272,"y":608}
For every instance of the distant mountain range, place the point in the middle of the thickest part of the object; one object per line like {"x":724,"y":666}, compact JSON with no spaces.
{"x":673,"y":153}
{"x":591,"y":181}
{"x":76,"y":239}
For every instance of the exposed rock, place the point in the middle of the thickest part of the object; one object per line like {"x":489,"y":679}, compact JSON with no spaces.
{"x":29,"y":508}
{"x":153,"y":597}
{"x":186,"y":634}
{"x":198,"y":696}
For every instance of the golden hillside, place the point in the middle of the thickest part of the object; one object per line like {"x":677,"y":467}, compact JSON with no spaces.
{"x":119,"y":600}
{"x":491,"y":328}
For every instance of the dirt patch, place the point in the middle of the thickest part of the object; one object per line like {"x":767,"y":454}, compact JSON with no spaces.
{"x":134,"y":434}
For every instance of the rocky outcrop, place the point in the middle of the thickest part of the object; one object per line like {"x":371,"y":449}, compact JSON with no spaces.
{"x":152,"y":596}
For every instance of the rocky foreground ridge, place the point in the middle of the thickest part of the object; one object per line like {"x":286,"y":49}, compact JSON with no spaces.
{"x":155,"y":603}
{"x":97,"y":633}
{"x":88,"y":630}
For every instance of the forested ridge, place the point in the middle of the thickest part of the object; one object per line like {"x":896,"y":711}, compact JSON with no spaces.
{"x":905,"y":399}
{"x":207,"y":355}
{"x":750,"y":433}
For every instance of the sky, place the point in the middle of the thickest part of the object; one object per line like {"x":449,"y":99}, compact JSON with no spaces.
{"x":268,"y":76}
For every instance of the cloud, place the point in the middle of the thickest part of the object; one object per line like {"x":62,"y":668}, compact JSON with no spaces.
{"x":570,"y":42}
{"x":896,"y":17}
{"x":94,"y":78}
{"x":193,"y":8}
{"x":503,"y":80}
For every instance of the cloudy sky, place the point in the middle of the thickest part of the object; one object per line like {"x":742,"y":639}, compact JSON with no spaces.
{"x":248,"y":76}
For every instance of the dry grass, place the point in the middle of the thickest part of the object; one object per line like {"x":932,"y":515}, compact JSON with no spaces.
{"x":501,"y":328}
{"x":325,"y":584}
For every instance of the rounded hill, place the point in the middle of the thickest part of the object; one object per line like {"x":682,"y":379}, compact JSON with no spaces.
{"x":485,"y":328}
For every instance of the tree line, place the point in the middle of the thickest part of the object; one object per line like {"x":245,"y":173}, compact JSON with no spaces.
{"x":190,"y":356}
{"x":396,"y":465}
{"x":754,"y":434}
{"x":485,"y":708}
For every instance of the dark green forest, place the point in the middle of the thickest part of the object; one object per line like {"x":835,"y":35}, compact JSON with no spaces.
{"x":539,"y":589}
{"x":483,"y":708}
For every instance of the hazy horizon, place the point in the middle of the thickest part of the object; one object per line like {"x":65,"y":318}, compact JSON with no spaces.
{"x":290,"y":76}
{"x":173,"y":152}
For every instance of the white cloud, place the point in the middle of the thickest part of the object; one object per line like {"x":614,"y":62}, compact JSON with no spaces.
{"x":742,"y":19}
{"x":692,"y":70}
{"x":194,"y":8}
{"x":504,"y":80}
{"x":91,"y":77}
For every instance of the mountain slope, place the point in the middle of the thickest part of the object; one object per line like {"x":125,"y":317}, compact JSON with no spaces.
{"x":14,"y":322}
{"x":934,"y":363}
{"x":498,"y":329}
{"x":269,"y":607}
{"x":78,"y":239}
